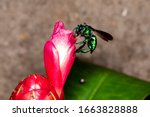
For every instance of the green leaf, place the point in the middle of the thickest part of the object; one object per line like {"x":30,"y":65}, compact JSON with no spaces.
{"x":103,"y":84}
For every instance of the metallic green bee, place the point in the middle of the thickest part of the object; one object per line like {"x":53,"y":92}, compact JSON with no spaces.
{"x":90,"y":39}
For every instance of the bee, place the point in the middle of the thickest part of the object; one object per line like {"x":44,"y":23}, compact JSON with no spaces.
{"x":90,"y":39}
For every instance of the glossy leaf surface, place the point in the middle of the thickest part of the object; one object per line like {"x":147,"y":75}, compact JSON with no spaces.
{"x":90,"y":82}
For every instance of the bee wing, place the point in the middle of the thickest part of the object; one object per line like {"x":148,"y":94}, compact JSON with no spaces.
{"x":104,"y":35}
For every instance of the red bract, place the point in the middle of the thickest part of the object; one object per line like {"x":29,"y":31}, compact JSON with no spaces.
{"x":34,"y":87}
{"x":59,"y":55}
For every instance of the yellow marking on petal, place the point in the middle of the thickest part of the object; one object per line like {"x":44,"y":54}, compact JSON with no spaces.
{"x":52,"y":95}
{"x":35,"y":76}
{"x":33,"y":95}
{"x":20,"y":89}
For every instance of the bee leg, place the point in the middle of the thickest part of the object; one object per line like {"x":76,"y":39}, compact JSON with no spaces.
{"x":84,"y":50}
{"x":78,"y":50}
{"x":81,"y":42}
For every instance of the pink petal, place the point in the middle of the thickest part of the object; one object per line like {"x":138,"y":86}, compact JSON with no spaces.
{"x":59,"y":55}
{"x":51,"y":60}
{"x":64,"y":40}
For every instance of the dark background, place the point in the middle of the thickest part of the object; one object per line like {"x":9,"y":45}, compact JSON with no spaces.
{"x":25,"y":25}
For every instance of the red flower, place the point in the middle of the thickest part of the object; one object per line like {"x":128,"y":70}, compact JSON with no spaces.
{"x":34,"y":87}
{"x":59,"y":55}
